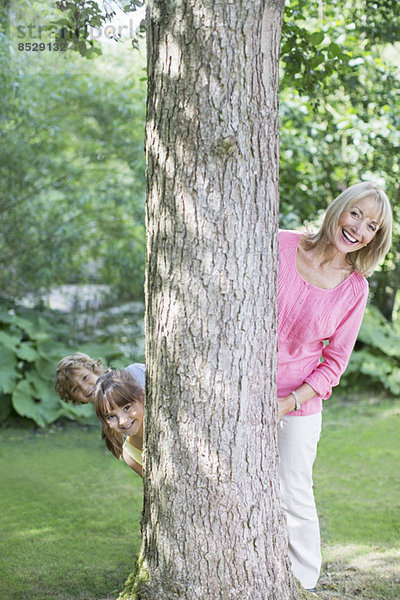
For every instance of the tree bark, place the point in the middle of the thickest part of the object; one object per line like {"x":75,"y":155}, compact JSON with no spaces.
{"x":212,"y":521}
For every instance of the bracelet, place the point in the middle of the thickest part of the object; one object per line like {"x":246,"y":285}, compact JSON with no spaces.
{"x":296,"y":399}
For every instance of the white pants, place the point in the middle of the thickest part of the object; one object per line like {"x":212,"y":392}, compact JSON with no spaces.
{"x":297,"y":441}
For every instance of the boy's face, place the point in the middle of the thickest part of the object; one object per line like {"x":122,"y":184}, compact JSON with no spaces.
{"x":83,"y":382}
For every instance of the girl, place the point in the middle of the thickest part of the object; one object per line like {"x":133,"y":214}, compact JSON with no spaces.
{"x":119,"y":404}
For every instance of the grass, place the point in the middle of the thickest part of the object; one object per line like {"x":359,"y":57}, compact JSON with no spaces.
{"x":357,"y":489}
{"x":70,"y":512}
{"x":70,"y":516}
{"x":357,"y":474}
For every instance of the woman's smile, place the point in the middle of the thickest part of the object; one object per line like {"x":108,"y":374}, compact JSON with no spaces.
{"x":357,"y":226}
{"x":348,"y":237}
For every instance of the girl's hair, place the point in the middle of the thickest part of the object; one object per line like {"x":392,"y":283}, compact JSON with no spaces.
{"x":115,"y":388}
{"x":65,"y":372}
{"x":367,"y":258}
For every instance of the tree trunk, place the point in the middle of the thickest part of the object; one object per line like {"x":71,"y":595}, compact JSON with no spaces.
{"x":212,"y":522}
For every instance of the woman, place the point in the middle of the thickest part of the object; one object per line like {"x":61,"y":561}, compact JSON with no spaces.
{"x":322,"y":296}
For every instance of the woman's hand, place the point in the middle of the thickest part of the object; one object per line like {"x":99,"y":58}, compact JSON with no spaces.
{"x":285,"y":405}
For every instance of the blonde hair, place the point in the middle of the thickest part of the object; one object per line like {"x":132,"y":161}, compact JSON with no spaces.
{"x":115,"y":388}
{"x":66,"y":369}
{"x":366,"y":259}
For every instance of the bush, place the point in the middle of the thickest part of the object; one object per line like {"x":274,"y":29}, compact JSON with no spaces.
{"x":376,"y":359}
{"x":30,"y":348}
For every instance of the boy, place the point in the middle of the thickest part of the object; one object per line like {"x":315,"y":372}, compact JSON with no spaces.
{"x":76,"y":377}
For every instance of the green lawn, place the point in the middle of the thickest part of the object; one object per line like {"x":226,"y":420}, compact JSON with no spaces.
{"x":70,"y":514}
{"x":358,"y":475}
{"x":357,"y":488}
{"x":69,"y":527}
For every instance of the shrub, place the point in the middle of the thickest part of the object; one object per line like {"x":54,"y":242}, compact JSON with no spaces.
{"x":30,"y":348}
{"x":376,"y":359}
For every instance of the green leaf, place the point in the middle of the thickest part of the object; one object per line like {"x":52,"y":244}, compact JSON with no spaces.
{"x":9,"y":341}
{"x":26,"y":325}
{"x":317,"y":37}
{"x":22,"y":399}
{"x":83,"y":413}
{"x":5,"y":316}
{"x":43,"y":410}
{"x":8,"y":370}
{"x":43,"y":326}
{"x":46,"y":368}
{"x":42,"y":388}
{"x":377,"y":332}
{"x":25,"y":351}
{"x":49,"y":349}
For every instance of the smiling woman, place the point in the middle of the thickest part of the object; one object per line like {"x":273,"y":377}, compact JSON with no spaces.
{"x":358,"y":225}
{"x":322,"y":296}
{"x":362,"y":212}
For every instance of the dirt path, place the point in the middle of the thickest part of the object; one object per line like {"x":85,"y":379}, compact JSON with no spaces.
{"x":352,"y":574}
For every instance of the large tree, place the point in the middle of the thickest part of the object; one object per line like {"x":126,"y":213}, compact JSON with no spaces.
{"x":212,"y":522}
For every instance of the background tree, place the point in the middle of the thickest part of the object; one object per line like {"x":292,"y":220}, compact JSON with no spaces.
{"x":212,"y":524}
{"x":340,"y":114}
{"x":71,"y":174}
{"x":71,"y":212}
{"x":72,"y":166}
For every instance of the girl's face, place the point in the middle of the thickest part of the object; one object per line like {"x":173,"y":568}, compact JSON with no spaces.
{"x":357,"y":226}
{"x":127,"y":419}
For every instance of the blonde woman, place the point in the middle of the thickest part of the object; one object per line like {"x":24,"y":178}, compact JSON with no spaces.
{"x":322,"y":296}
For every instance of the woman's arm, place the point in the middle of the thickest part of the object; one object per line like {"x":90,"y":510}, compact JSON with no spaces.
{"x":335,"y":358}
{"x":287,"y":403}
{"x":132,"y":463}
{"x":337,"y":352}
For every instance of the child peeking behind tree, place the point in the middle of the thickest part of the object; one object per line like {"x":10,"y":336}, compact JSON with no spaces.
{"x":119,"y":404}
{"x":76,"y":377}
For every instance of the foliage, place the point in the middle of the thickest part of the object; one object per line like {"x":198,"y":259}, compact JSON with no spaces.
{"x":71,"y":206}
{"x":71,"y":174}
{"x":30,"y":348}
{"x":377,"y":357}
{"x":308,"y":55}
{"x":340,"y":115}
{"x":312,"y":50}
{"x":72,"y":163}
{"x":76,"y":17}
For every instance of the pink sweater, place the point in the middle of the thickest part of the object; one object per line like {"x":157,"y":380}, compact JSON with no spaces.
{"x":308,"y":315}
